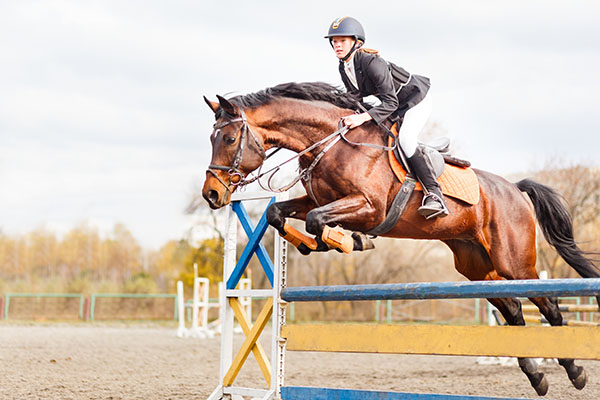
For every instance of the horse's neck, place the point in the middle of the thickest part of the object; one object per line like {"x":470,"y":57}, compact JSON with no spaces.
{"x":294,"y":127}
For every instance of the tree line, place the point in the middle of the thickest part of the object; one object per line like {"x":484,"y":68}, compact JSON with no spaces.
{"x":83,"y":262}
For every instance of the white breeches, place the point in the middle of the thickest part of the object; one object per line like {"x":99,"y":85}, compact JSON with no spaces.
{"x":414,"y":122}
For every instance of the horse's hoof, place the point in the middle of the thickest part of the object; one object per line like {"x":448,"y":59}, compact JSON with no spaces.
{"x":362,"y":242}
{"x":542,"y":387}
{"x":303,"y":249}
{"x":580,"y":381}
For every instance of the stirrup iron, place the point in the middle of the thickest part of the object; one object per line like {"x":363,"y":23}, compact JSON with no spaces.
{"x":429,"y":213}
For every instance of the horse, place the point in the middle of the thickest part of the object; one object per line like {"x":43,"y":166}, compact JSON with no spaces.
{"x":352,"y":187}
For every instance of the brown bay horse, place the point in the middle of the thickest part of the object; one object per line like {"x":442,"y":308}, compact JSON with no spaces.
{"x":354,"y":186}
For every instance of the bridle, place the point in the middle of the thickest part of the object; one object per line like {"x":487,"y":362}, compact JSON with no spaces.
{"x":236,"y":176}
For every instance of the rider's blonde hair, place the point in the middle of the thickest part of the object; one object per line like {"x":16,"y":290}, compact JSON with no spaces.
{"x":368,"y":51}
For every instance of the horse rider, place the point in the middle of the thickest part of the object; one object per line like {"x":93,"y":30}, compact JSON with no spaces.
{"x":403,"y":97}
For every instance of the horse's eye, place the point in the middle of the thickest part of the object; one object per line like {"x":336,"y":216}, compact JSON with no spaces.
{"x":229,"y":140}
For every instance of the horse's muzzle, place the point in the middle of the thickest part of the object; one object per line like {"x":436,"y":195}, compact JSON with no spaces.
{"x":215,"y":194}
{"x":212,"y":198}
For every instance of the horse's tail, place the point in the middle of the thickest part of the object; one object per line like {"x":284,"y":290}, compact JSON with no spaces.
{"x":557,"y":226}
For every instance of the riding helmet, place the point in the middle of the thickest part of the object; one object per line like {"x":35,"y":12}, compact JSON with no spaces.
{"x":346,"y":26}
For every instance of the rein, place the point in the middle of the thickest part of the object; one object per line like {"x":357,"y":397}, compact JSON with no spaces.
{"x":333,"y":138}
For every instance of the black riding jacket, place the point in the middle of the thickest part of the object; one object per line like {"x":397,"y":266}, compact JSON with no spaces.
{"x":398,"y":90}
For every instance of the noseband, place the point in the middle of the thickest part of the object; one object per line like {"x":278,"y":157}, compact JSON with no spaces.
{"x":236,"y":176}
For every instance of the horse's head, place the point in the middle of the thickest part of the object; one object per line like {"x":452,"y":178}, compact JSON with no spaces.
{"x":236,"y":151}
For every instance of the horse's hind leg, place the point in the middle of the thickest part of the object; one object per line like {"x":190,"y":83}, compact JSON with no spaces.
{"x":473,"y":261}
{"x":512,"y":313}
{"x":514,"y":258}
{"x":517,"y":261}
{"x":549,"y":308}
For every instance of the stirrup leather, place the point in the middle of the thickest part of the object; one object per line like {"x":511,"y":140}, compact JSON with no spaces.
{"x":425,"y":211}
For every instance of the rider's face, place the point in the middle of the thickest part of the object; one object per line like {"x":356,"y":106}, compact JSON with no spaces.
{"x":342,"y":45}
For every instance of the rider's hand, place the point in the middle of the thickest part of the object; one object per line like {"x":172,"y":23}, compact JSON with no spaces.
{"x":354,"y":120}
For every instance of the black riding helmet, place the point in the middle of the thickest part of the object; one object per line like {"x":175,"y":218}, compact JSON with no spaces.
{"x":346,"y":26}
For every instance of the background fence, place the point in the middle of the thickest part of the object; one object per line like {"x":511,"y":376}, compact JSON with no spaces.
{"x":99,"y":306}
{"x":43,"y":306}
{"x":162,"y":306}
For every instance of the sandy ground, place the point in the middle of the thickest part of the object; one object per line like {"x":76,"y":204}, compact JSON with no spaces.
{"x":82,"y":361}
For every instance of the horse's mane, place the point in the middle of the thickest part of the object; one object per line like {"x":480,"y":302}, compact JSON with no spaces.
{"x":316,"y":91}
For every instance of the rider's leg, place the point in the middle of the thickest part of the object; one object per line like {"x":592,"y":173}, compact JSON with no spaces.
{"x":433,"y":202}
{"x":414,"y":122}
{"x":412,"y":125}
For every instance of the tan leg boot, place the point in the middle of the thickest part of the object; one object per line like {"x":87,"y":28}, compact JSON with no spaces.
{"x":338,"y":240}
{"x":296,"y":238}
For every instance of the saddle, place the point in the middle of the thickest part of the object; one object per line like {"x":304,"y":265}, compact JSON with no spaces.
{"x":454,"y":175}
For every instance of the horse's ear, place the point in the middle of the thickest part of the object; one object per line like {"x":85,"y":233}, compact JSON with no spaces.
{"x":226,"y":105}
{"x":213,"y":106}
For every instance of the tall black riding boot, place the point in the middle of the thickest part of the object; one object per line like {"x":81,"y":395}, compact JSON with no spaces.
{"x":433,"y":202}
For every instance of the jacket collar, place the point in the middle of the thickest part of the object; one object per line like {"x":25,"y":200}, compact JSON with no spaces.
{"x":357,"y":70}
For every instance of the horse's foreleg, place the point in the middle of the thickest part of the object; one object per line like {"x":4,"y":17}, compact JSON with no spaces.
{"x":332,"y":214}
{"x":549,"y":308}
{"x":295,"y":208}
{"x":351,"y":212}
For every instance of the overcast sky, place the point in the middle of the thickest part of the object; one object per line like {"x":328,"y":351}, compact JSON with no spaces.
{"x":102,"y":117}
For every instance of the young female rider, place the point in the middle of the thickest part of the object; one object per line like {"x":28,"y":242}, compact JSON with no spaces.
{"x":403,"y":97}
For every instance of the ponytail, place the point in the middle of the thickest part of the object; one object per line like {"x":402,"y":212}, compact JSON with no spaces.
{"x":369,"y":51}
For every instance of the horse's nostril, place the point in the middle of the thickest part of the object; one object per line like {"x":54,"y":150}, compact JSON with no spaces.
{"x":212,"y":197}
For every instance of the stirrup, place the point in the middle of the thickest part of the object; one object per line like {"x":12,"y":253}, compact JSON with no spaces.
{"x":429,"y":213}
